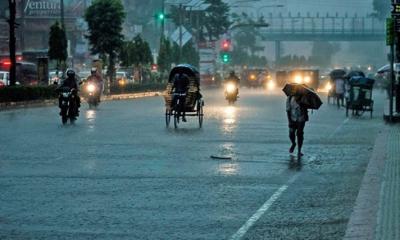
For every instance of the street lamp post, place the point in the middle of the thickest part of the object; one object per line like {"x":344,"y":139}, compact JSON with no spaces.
{"x":12,"y":41}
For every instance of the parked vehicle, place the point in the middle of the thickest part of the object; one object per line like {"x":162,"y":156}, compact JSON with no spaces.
{"x":26,"y":72}
{"x":5,"y":78}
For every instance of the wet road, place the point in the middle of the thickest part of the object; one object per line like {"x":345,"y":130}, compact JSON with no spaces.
{"x":118,"y":173}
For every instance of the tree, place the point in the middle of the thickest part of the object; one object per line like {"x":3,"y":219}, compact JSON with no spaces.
{"x":322,"y":53}
{"x":190,"y":55}
{"x":381,"y":8}
{"x":164,"y":59}
{"x":214,"y":20}
{"x":136,"y":52}
{"x":58,"y":45}
{"x":105,"y":19}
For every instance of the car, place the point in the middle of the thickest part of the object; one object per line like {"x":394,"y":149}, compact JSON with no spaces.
{"x":54,"y":78}
{"x":5,"y":77}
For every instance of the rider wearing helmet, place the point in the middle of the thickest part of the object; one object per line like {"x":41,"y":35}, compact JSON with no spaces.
{"x":96,"y":79}
{"x":71,"y":82}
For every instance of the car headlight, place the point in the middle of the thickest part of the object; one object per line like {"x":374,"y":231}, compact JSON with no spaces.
{"x":91,"y":88}
{"x":230,"y":88}
{"x":271,"y":85}
{"x":328,"y":87}
{"x":298,"y":79}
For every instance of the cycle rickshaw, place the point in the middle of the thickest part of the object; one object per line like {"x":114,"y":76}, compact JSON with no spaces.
{"x":360,"y":96}
{"x":194,"y":103}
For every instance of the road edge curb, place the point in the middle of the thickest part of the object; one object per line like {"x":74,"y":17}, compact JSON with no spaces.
{"x":53,"y":102}
{"x":364,"y":218}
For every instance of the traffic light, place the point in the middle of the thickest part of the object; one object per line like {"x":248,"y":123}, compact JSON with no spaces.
{"x":225,"y":53}
{"x":161,"y":16}
{"x":389,"y":31}
{"x":226,"y":45}
{"x":226,"y":57}
{"x":154,"y":67}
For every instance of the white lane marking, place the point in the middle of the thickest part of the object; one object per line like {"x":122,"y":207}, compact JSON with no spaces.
{"x":339,"y":127}
{"x":253,"y":219}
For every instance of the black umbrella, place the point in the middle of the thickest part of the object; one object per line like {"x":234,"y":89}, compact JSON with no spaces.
{"x":337,"y":73}
{"x":309,"y":99}
{"x":361,"y":81}
{"x":355,"y":74}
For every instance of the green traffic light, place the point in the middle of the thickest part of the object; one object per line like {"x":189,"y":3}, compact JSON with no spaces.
{"x":161,"y":16}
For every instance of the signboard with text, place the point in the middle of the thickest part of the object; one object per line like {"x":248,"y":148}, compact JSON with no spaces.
{"x":52,"y":8}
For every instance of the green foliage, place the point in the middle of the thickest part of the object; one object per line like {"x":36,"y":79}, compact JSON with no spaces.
{"x":217,"y":18}
{"x":242,"y":57}
{"x":213,"y":22}
{"x":322,"y":53}
{"x":189,"y":54}
{"x":58,"y":44}
{"x":105,"y":19}
{"x":136,"y":52}
{"x":381,"y":8}
{"x":26,"y":93}
{"x":246,"y":37}
{"x":294,"y":61}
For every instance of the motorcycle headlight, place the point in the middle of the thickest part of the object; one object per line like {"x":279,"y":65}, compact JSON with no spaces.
{"x":91,"y":88}
{"x":230,"y":87}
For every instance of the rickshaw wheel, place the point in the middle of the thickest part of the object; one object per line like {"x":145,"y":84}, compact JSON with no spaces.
{"x":168,"y":114}
{"x":200,"y":113}
{"x":176,"y":120}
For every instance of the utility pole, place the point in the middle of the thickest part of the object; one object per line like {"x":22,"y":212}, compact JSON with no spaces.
{"x":163,"y":20}
{"x":12,"y":41}
{"x":62,"y":13}
{"x":180,"y":32}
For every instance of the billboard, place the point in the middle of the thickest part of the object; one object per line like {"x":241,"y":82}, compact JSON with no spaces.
{"x":52,"y":8}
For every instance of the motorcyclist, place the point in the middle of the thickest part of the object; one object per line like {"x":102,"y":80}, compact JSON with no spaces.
{"x":232,"y":78}
{"x":180,"y":87}
{"x":71,"y":82}
{"x":96,"y":79}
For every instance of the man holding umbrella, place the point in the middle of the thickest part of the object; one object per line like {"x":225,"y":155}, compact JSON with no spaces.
{"x":300,"y":99}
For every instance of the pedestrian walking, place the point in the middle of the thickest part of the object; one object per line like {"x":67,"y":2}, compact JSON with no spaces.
{"x":340,"y":90}
{"x":297,"y":118}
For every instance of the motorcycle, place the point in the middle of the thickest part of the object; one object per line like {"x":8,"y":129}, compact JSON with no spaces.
{"x":231,"y":92}
{"x":67,"y":104}
{"x":93,"y":94}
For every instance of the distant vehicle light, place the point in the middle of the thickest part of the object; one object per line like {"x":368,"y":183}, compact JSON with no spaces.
{"x":252,"y":76}
{"x":298,"y":79}
{"x":271,"y":85}
{"x":328,"y":87}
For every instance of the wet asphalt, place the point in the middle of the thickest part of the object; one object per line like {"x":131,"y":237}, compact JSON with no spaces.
{"x":119,"y":173}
